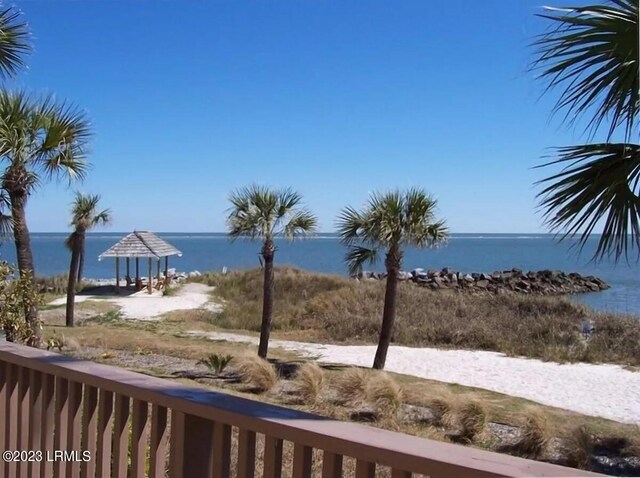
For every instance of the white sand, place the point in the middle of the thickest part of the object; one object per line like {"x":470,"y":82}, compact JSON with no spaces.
{"x":142,"y":306}
{"x":607,"y":391}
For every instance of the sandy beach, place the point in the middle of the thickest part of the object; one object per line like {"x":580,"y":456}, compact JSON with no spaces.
{"x":607,"y":391}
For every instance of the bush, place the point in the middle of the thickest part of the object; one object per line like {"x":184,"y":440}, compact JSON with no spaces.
{"x":350,"y":385}
{"x":578,"y":447}
{"x":258,"y":373}
{"x":385,"y":394}
{"x":468,"y":418}
{"x":534,"y":435}
{"x":216,"y":362}
{"x":17,"y":296}
{"x":309,"y":381}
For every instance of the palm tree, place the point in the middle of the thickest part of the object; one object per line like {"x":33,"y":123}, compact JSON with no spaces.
{"x":14,"y":42}
{"x":39,"y":140}
{"x":591,"y":53}
{"x":84,"y":217}
{"x":389,"y":221}
{"x":264,"y":214}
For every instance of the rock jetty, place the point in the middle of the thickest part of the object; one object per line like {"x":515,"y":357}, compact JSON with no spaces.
{"x":545,"y":282}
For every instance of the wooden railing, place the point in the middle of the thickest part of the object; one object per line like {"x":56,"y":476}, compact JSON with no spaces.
{"x":125,"y":424}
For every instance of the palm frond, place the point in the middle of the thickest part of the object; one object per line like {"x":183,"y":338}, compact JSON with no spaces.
{"x":390,"y":220}
{"x":593,"y":54}
{"x":85,"y":214}
{"x":599,"y":185}
{"x":349,"y":225}
{"x":259,"y":212}
{"x":358,"y":256}
{"x":14,"y":42}
{"x":302,"y":224}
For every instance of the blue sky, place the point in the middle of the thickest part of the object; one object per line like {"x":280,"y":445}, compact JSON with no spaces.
{"x":190,"y":99}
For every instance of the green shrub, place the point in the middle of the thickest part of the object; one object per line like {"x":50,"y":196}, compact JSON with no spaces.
{"x":216,"y":362}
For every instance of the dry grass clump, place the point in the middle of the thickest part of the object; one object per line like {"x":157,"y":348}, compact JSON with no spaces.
{"x":350,"y":385}
{"x":258,"y":373}
{"x":578,"y":447}
{"x":468,"y":419}
{"x":309,"y":381}
{"x":535,"y":434}
{"x":385,"y":394}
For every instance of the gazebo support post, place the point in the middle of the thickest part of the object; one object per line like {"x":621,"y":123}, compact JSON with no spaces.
{"x":118,"y":275}
{"x":128,"y":274}
{"x":137,"y":269}
{"x":166,"y":269}
{"x":158,"y":271}
{"x":150,"y":284}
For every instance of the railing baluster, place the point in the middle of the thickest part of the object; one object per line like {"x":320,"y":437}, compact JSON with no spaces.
{"x":74,"y":425}
{"x":246,"y":454}
{"x":23,"y":414}
{"x":48,"y":422}
{"x":191,"y":446}
{"x":365,"y":469}
{"x":400,"y":474}
{"x":272,"y":457}
{"x":11,"y":412}
{"x":221,"y":450}
{"x":140,"y":414}
{"x":121,"y":437}
{"x":302,"y":461}
{"x":3,"y":410}
{"x":89,"y":431}
{"x":35,"y":422}
{"x":62,"y":423}
{"x":105,"y":417}
{"x":159,"y":442}
{"x":331,"y":465}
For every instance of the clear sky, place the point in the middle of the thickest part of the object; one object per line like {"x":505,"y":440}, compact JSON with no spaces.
{"x":190,"y":99}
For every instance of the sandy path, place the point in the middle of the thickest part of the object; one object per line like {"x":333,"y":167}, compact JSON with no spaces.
{"x":607,"y":391}
{"x":142,"y":306}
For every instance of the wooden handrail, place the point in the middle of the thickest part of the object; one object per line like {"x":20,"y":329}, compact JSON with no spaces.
{"x":201,"y":412}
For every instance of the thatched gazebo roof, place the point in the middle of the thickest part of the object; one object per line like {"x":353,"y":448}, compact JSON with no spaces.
{"x":141,"y":244}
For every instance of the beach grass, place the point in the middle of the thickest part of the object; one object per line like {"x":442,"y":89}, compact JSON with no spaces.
{"x":333,"y":309}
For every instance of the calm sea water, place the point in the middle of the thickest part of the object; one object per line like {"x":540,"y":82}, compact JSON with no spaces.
{"x":464,"y":252}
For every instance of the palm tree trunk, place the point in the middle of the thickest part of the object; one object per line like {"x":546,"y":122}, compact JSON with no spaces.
{"x":24,"y":254}
{"x":81,"y":261}
{"x":268,"y":252}
{"x":81,"y":246}
{"x":389,"y":313}
{"x":71,"y":286}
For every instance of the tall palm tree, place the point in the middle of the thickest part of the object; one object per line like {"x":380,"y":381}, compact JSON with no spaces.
{"x":389,"y":221}
{"x":591,"y":54}
{"x":84,"y":217}
{"x":14,"y":42}
{"x":39,"y":140}
{"x":261,"y":213}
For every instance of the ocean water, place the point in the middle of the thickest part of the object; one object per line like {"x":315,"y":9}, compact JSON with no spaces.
{"x":324,"y":253}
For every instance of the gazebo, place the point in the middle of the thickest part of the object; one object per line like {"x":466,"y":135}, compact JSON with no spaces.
{"x":139,"y":244}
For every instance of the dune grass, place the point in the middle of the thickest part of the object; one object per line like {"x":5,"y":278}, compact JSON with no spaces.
{"x":326,"y":308}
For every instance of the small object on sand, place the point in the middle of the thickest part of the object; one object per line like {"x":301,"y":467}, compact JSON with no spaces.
{"x":587,"y":328}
